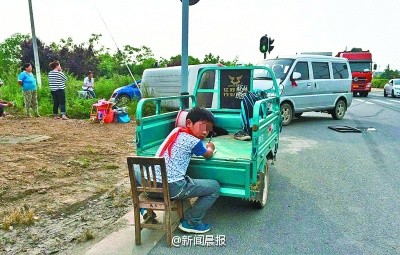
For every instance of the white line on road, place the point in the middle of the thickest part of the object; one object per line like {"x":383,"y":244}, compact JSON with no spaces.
{"x":380,"y":101}
{"x":363,"y":101}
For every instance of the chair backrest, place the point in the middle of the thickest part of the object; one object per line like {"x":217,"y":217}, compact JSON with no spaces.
{"x":181,"y":119}
{"x":147,"y":173}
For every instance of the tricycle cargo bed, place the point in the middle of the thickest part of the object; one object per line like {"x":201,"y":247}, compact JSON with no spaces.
{"x":234,"y":162}
{"x":158,"y":127}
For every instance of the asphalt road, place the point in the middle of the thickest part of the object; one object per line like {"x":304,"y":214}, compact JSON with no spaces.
{"x":330,"y":192}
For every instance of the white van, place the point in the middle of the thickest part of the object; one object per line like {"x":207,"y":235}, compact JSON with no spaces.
{"x":309,"y":83}
{"x":166,"y":81}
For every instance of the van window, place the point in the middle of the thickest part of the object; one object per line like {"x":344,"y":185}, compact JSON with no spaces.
{"x":280,"y":67}
{"x":321,"y":70}
{"x":302,"y":68}
{"x":340,"y":71}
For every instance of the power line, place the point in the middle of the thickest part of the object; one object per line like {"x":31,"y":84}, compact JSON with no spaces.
{"x":116,"y":45}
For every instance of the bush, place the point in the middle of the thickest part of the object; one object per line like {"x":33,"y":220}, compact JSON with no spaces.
{"x":379,"y":83}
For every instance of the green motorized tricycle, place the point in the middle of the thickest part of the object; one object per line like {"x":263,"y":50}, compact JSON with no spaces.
{"x":241,"y":167}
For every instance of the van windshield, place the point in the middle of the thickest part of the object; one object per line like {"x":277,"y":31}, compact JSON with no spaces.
{"x":279,"y":66}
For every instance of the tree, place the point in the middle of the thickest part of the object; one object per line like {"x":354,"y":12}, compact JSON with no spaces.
{"x":389,"y":73}
{"x":76,"y":59}
{"x":211,"y":59}
{"x":11,"y":51}
{"x":176,"y":61}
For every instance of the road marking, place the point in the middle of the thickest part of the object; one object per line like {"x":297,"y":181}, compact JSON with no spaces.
{"x":363,"y":101}
{"x":380,"y":101}
{"x":393,"y":100}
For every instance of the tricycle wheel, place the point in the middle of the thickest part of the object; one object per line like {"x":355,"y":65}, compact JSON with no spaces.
{"x":263,"y":195}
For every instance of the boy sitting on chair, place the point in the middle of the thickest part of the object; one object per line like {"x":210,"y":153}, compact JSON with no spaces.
{"x":177,"y":149}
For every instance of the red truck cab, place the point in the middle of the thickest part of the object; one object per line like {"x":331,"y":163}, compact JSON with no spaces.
{"x":361,"y":69}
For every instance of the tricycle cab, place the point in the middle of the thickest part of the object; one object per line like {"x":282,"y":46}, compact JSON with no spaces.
{"x":240,"y":167}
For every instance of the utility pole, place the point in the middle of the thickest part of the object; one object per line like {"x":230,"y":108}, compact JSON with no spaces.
{"x":185,"y":56}
{"x":185,"y":43}
{"x":35,"y":47}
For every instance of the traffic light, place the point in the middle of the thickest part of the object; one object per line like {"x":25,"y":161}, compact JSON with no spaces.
{"x":193,"y":2}
{"x":270,"y":46}
{"x":264,"y":44}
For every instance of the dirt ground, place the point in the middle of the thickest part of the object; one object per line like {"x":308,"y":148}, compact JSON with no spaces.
{"x":63,"y":183}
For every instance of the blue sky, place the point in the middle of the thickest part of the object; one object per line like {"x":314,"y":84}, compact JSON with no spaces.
{"x":227,"y":28}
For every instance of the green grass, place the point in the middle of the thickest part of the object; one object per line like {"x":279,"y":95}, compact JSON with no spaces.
{"x":77,"y":108}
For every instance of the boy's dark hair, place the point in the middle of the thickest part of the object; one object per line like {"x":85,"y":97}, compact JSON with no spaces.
{"x":200,"y":114}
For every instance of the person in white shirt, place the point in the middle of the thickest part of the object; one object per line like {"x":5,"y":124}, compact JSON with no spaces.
{"x":88,"y":84}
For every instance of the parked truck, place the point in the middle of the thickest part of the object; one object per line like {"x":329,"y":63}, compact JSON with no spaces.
{"x":241,"y":167}
{"x":361,"y":70}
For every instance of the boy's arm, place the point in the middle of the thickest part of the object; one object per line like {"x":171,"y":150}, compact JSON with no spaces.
{"x":210,"y":150}
{"x":206,"y":151}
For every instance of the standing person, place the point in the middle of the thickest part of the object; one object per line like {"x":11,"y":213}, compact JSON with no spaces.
{"x":88,"y":84}
{"x":28,"y":84}
{"x":57,"y":81}
{"x":177,"y":149}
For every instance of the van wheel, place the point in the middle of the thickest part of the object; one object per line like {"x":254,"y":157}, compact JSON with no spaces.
{"x":339,"y":110}
{"x":354,"y":94}
{"x":384,"y":93}
{"x":364,"y":94}
{"x":393,"y":93}
{"x":287,"y":113}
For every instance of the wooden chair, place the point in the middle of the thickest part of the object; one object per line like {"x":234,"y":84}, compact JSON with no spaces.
{"x":142,"y":200}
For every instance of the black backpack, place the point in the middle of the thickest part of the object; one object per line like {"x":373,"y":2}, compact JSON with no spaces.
{"x":247,"y":106}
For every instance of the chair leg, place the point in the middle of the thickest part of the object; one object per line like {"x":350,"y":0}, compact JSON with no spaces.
{"x":180,"y":209}
{"x":138,"y":228}
{"x":168,"y":227}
